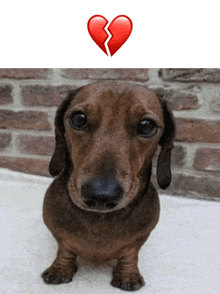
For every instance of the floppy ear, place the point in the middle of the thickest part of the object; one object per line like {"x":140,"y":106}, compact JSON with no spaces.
{"x":166,"y":143}
{"x":61,"y":155}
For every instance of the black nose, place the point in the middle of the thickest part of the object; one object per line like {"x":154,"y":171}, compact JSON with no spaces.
{"x":101,"y":194}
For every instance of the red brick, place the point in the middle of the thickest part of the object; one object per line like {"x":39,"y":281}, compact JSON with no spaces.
{"x":24,"y":73}
{"x":191,"y":75}
{"x":138,"y":74}
{"x":27,"y":120}
{"x":197,"y":130}
{"x":44,"y":95}
{"x":6,"y":94}
{"x":5,"y":140}
{"x":207,"y":160}
{"x":181,"y":99}
{"x":25,"y":165}
{"x":37,"y":145}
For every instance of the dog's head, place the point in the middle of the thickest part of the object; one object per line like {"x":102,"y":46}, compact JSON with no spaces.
{"x":106,"y":135}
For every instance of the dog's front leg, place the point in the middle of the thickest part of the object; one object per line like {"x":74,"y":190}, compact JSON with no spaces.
{"x":126,"y":275}
{"x":62,"y":269}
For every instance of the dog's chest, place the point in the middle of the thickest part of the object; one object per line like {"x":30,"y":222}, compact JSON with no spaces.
{"x":102,"y":240}
{"x":97,"y":244}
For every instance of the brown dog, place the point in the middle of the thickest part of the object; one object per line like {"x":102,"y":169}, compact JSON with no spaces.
{"x":102,"y":205}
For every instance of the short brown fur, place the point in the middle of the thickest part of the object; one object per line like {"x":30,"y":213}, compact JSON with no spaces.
{"x":110,"y":148}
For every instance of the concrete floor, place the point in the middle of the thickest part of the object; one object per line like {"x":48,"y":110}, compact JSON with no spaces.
{"x":182,"y":254}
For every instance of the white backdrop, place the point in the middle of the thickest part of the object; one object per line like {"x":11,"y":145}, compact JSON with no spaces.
{"x":46,"y":33}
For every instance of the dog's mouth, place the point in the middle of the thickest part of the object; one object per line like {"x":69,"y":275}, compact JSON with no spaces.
{"x":101,"y":195}
{"x":104,"y":206}
{"x":101,"y":206}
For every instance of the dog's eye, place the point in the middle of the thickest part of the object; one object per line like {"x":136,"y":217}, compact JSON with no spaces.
{"x":78,"y":120}
{"x":147,"y":128}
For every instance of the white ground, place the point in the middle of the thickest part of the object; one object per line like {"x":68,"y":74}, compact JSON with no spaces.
{"x":182,"y":254}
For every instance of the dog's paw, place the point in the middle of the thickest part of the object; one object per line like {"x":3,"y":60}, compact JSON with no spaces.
{"x":131,"y":282}
{"x":57,"y":275}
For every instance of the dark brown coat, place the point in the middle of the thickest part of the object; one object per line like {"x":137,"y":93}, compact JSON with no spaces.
{"x":102,"y":205}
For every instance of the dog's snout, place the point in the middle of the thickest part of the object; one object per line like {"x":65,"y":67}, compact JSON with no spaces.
{"x":101,"y":194}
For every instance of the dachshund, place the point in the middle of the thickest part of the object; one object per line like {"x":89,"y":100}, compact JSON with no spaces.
{"x":102,"y":206}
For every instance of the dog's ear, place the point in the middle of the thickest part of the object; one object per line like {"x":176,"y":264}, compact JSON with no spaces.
{"x":61,"y":155}
{"x":166,"y":143}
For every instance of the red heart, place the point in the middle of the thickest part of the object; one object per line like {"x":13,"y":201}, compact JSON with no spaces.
{"x":120,"y":29}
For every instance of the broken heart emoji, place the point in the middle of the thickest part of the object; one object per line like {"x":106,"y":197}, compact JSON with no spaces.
{"x":111,"y":37}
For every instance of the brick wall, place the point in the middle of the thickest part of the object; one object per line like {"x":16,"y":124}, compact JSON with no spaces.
{"x":29,"y":98}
